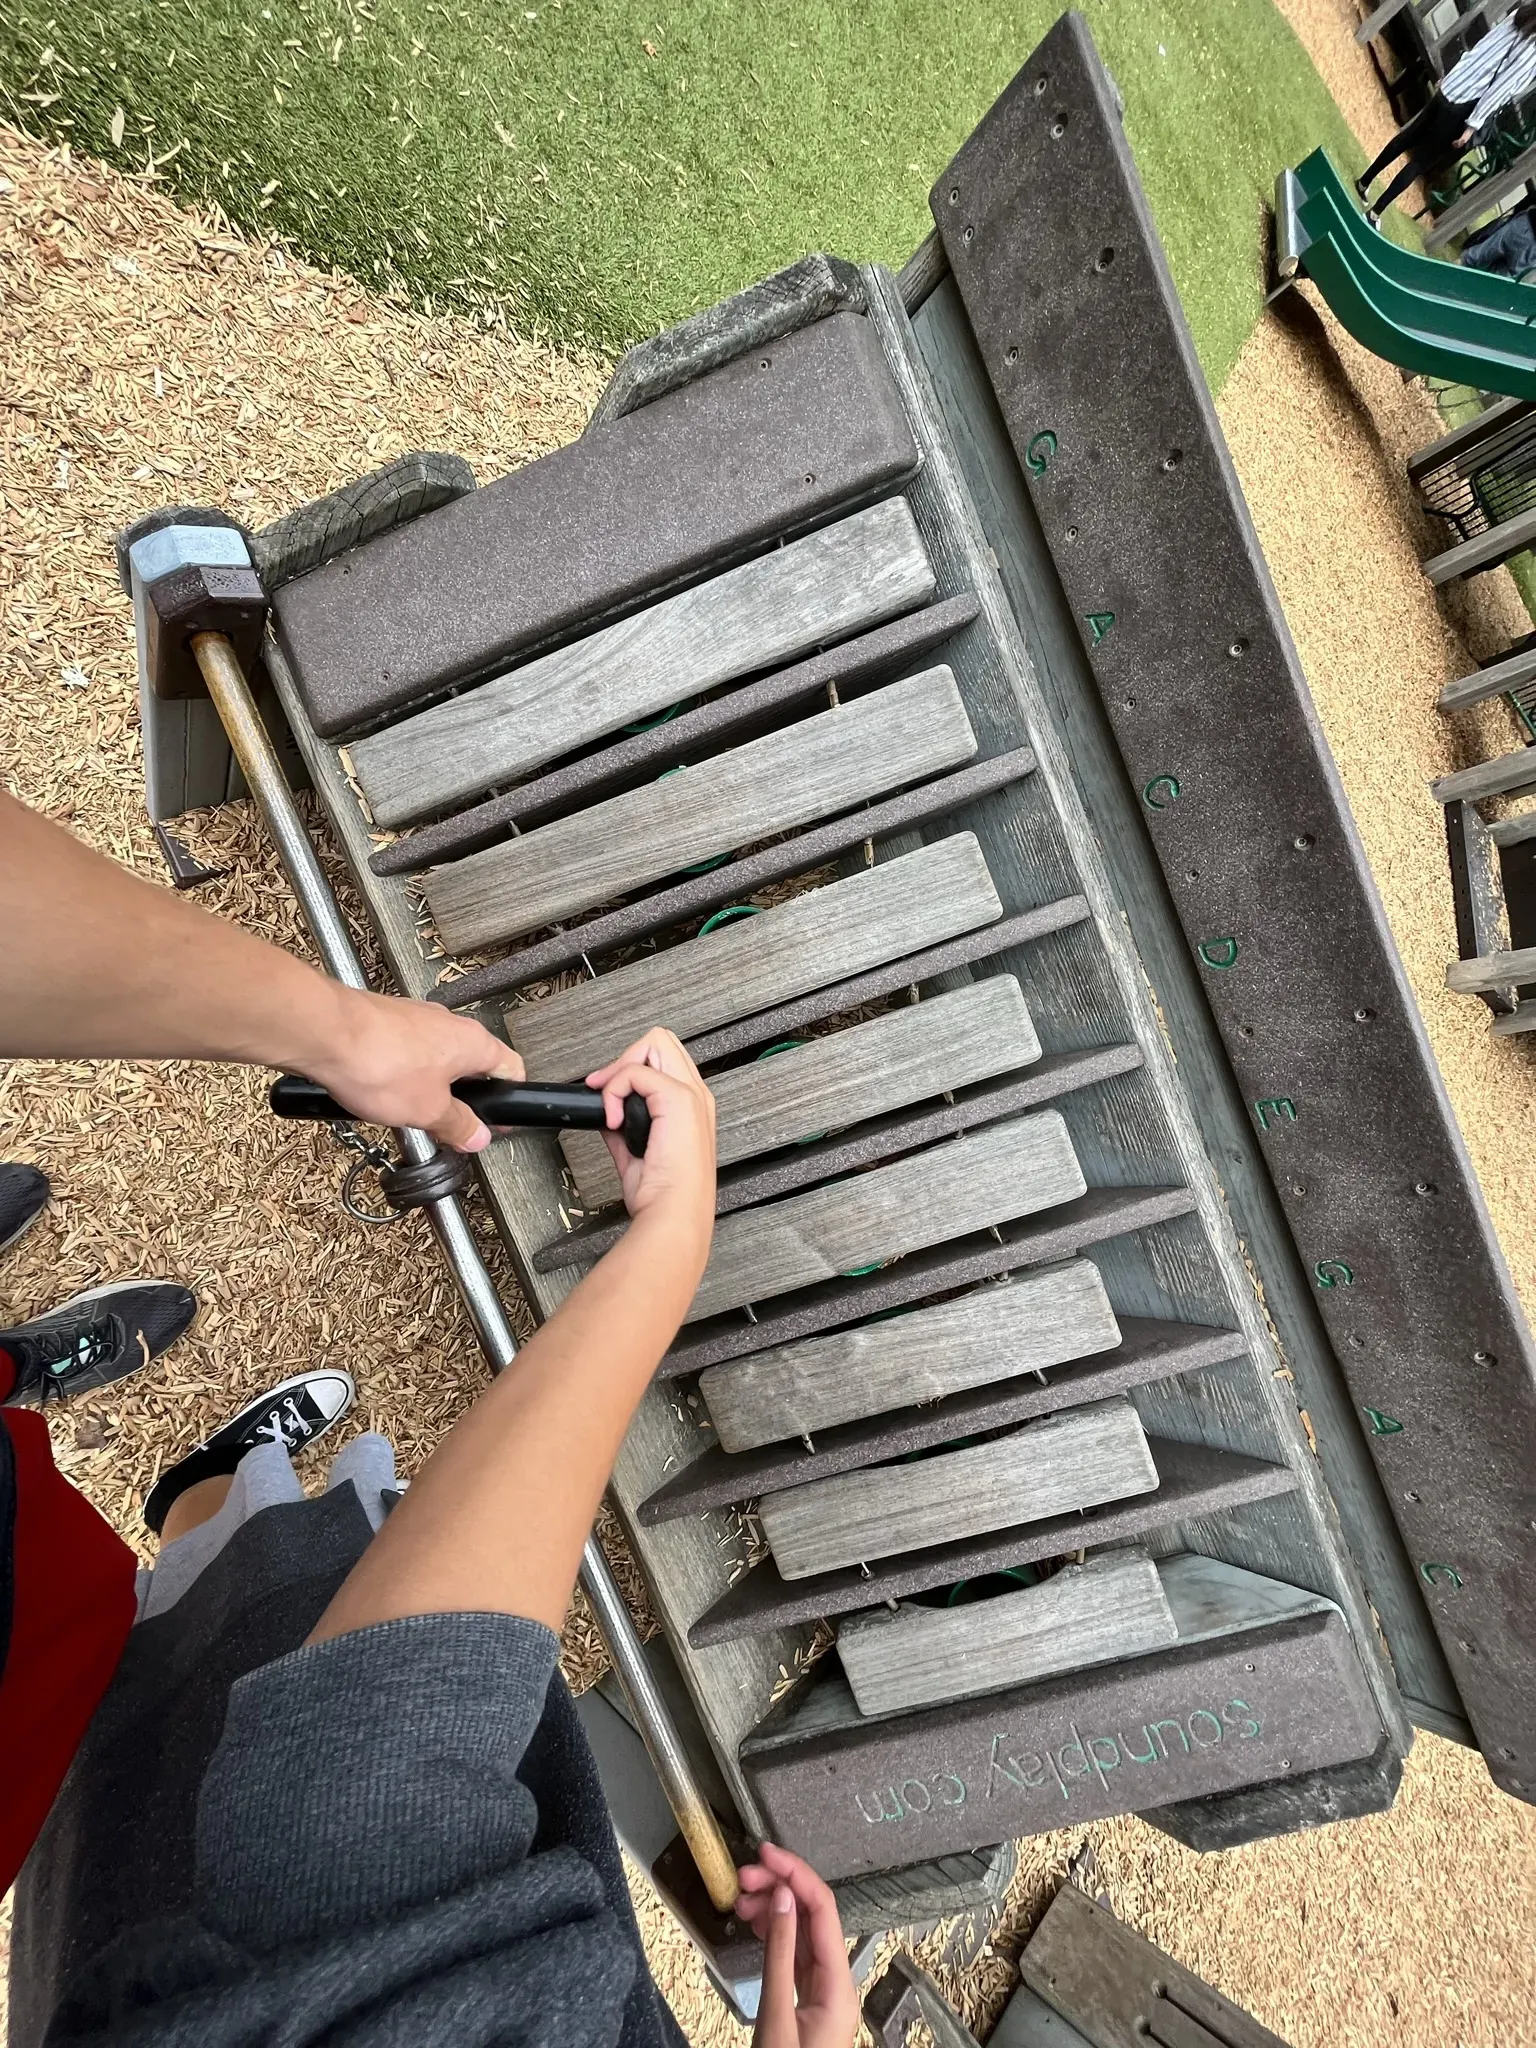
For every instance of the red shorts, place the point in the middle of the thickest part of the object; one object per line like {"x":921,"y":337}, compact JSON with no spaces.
{"x":66,"y":1606}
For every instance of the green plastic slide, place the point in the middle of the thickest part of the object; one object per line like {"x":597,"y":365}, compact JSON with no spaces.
{"x":1432,"y":318}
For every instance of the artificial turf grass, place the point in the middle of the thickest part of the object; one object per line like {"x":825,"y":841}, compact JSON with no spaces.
{"x":595,"y":169}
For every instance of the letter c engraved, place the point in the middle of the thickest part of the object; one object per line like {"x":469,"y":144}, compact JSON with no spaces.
{"x":1172,"y":787}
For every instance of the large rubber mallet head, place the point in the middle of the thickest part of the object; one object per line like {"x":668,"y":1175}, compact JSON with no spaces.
{"x":188,"y":570}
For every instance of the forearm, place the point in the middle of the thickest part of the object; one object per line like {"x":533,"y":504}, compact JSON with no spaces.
{"x":497,"y":1519}
{"x":97,"y":963}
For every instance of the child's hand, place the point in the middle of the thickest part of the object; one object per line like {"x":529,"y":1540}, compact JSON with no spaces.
{"x":677,"y":1174}
{"x":805,"y":1957}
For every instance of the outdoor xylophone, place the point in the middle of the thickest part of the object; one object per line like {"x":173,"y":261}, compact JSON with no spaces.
{"x":1014,"y":1464}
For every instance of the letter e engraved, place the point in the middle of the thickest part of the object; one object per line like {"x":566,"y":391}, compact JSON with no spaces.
{"x":1275,"y":1109}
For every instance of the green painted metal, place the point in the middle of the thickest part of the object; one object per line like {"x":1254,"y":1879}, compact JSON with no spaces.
{"x":1421,"y":343}
{"x":1418,"y":305}
{"x":1319,"y":179}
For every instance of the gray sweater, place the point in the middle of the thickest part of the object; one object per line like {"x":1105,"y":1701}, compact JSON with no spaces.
{"x":399,"y":1838}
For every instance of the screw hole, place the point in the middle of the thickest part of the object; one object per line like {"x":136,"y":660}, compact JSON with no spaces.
{"x":1106,"y":257}
{"x":1058,"y":127}
{"x":954,"y":195}
{"x":1364,"y":1016}
{"x":1041,"y":83}
{"x":1238,"y":649}
{"x":969,"y":235}
{"x":1172,"y":459}
{"x":810,"y":476}
{"x":1071,"y":533}
{"x":766,"y":363}
{"x":1012,"y":356}
{"x":1130,"y":703}
{"x":1245,"y":1031}
{"x":1357,"y":1343}
{"x":1410,"y":1494}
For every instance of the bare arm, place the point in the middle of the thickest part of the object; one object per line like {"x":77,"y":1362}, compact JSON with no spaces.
{"x":96,"y":963}
{"x":498,"y":1516}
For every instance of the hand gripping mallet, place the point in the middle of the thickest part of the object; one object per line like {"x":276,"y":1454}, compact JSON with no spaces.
{"x":201,"y":615}
{"x":526,"y":1105}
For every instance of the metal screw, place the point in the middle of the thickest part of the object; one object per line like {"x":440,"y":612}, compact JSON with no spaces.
{"x":1423,"y":1187}
{"x":1238,"y":649}
{"x":1172,"y":459}
{"x":1484,"y":1358}
{"x":1058,"y":128}
{"x":1040,"y":84}
{"x":969,"y":235}
{"x":1364,"y":1016}
{"x":1302,"y":842}
{"x":1071,"y":533}
{"x":1012,"y":356}
{"x":954,"y":195}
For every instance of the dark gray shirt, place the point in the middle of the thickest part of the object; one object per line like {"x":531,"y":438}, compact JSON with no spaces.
{"x":395,"y":1837}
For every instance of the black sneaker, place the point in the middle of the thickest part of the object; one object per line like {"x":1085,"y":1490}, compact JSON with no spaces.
{"x":294,"y":1415}
{"x":24,"y":1193}
{"x":95,"y":1338}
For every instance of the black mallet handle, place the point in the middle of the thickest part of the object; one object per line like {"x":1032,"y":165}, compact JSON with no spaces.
{"x":536,"y":1105}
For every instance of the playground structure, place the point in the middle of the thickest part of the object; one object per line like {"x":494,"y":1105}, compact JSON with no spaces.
{"x":1439,"y":320}
{"x":1049,"y":482}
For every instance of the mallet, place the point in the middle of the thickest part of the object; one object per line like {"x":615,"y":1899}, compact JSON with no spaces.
{"x":201,"y":615}
{"x":528,"y":1105}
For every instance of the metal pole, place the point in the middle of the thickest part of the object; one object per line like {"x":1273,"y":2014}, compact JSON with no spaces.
{"x":263,"y":772}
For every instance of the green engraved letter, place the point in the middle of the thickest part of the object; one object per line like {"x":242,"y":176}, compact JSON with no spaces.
{"x":1277,"y":1108}
{"x":1384,"y":1425}
{"x":1099,"y":624}
{"x":1334,"y":1273}
{"x":1168,"y":783}
{"x":1219,"y":953}
{"x":1442,"y":1574}
{"x":1039,"y":452}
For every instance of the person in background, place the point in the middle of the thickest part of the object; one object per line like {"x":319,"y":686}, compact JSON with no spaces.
{"x":1506,"y":246}
{"x":337,"y":1788}
{"x":1493,"y":75}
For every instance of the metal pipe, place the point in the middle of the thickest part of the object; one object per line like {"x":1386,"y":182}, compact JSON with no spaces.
{"x":263,"y":772}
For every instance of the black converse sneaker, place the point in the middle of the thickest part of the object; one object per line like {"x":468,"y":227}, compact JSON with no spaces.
{"x":94,"y":1338}
{"x":24,"y":1193}
{"x":293,"y":1414}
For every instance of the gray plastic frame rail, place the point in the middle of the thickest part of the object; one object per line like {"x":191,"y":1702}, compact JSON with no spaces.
{"x":1190,"y":651}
